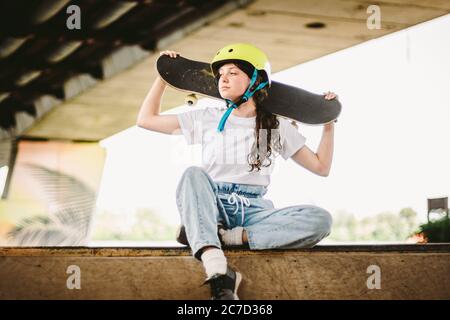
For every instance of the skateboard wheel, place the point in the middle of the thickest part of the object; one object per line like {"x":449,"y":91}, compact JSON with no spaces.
{"x":191,"y":99}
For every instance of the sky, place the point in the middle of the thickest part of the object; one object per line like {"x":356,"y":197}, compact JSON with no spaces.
{"x":391,"y":141}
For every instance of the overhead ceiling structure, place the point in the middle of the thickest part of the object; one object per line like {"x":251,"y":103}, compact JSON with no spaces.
{"x":87,"y":84}
{"x":46,"y":58}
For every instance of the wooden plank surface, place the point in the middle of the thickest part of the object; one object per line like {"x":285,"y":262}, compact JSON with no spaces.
{"x":323,"y":272}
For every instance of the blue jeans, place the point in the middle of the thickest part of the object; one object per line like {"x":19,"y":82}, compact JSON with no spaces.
{"x":203,"y":203}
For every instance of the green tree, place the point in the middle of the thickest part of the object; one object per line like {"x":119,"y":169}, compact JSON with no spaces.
{"x":385,"y":226}
{"x":141,"y":225}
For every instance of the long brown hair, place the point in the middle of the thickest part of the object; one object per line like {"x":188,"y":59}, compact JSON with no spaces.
{"x":261,"y":153}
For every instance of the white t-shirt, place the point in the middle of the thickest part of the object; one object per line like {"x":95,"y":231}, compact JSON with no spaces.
{"x":224,"y":154}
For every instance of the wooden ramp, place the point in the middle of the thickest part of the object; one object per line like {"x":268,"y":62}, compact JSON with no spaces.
{"x":323,"y":272}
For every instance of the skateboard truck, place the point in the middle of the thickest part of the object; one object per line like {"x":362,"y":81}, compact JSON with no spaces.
{"x":191,"y":99}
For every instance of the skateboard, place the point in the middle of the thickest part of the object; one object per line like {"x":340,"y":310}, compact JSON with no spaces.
{"x":195,"y":77}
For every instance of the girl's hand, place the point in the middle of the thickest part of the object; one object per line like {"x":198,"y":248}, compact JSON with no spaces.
{"x":170,"y":53}
{"x":330,"y":95}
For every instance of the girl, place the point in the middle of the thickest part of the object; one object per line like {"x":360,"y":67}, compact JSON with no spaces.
{"x":221,"y":202}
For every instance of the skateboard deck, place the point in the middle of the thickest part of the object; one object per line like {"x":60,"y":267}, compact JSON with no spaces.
{"x":195,"y":77}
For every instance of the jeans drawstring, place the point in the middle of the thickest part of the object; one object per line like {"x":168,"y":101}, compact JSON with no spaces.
{"x":233,"y":198}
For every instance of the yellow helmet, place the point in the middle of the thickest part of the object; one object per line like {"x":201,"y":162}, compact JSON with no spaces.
{"x":243,"y":52}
